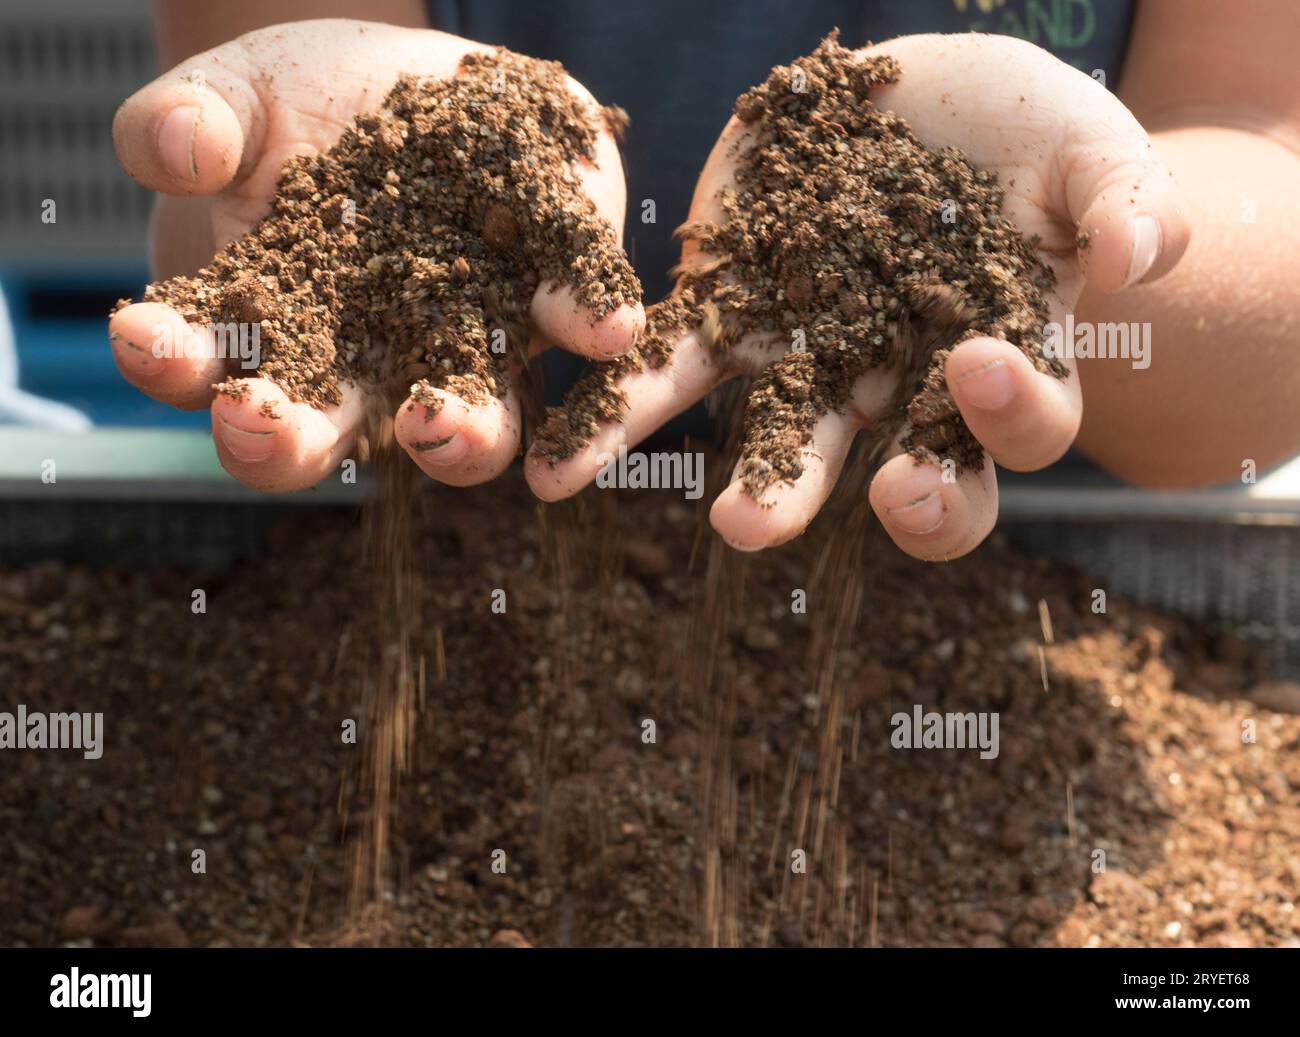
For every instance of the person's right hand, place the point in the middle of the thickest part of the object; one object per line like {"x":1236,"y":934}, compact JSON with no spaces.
{"x":212,"y":135}
{"x":1070,"y":158}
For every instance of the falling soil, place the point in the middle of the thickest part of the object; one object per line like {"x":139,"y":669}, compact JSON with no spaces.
{"x":391,"y":259}
{"x":394,"y":686}
{"x":402,"y":259}
{"x":222,"y":732}
{"x":852,"y":245}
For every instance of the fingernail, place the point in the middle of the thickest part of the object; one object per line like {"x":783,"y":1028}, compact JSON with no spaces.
{"x":141,"y":359}
{"x":921,"y":516}
{"x":442,"y":452}
{"x":427,"y":446}
{"x":245,"y":445}
{"x":1146,"y":246}
{"x":176,"y":142}
{"x":990,"y":387}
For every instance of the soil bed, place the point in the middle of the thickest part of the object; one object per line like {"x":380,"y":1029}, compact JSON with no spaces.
{"x":222,"y":731}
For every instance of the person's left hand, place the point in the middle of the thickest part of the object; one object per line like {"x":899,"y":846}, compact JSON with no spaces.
{"x":213,"y":135}
{"x":1070,"y":158}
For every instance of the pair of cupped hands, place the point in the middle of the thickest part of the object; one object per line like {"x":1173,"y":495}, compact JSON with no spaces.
{"x":212,"y":135}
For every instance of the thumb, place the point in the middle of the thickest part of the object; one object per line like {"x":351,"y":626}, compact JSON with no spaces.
{"x":1131,"y":216}
{"x":187,"y":132}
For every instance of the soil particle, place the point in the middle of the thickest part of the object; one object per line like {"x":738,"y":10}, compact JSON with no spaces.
{"x":167,"y":933}
{"x":82,"y":923}
{"x":1118,"y":887}
{"x":509,"y":938}
{"x":646,"y":559}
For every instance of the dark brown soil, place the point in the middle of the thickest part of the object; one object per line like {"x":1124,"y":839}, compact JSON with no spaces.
{"x":853,"y":245}
{"x":392,"y":258}
{"x":222,"y":732}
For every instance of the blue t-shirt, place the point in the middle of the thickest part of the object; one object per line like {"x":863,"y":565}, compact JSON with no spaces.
{"x":677,"y":66}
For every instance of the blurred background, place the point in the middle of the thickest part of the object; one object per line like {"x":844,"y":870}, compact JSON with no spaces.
{"x":65,"y":68}
{"x":139,"y":481}
{"x":134,"y":481}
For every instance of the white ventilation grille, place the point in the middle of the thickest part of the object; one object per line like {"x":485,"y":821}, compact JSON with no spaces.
{"x":64,"y":69}
{"x":1242,"y":578}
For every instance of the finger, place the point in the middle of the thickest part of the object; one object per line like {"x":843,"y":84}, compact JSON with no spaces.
{"x":455,"y":442}
{"x":930,"y":518}
{"x":562,"y":321}
{"x":1131,"y":216}
{"x":556,"y":309}
{"x":270,"y":443}
{"x":653,"y":395}
{"x":188,"y":131}
{"x":1025,"y":419}
{"x":784,"y":509}
{"x":163,"y":357}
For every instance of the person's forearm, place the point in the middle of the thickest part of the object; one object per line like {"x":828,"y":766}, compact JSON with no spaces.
{"x":1223,"y":385}
{"x":184,"y":28}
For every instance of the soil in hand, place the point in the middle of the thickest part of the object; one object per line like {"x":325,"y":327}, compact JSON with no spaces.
{"x":392,"y":258}
{"x":853,"y":245}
